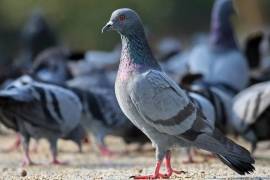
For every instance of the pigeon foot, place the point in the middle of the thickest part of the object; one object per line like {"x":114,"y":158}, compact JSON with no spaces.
{"x":106,"y":152}
{"x":169,"y":168}
{"x":57,"y":162}
{"x":155,"y":176}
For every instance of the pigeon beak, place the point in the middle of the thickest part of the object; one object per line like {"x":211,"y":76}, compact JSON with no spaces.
{"x":107,"y":27}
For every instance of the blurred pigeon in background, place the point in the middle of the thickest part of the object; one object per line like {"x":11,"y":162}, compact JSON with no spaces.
{"x":257,"y":51}
{"x":162,"y":110}
{"x":221,"y":63}
{"x":37,"y":110}
{"x":102,"y":116}
{"x":252,"y":112}
{"x":51,"y":65}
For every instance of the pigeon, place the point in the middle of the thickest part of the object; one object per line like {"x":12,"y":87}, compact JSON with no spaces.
{"x":257,"y":53}
{"x":251,"y":109}
{"x":95,"y":61}
{"x":51,"y":65}
{"x":221,"y":101}
{"x":159,"y":107}
{"x":38,"y":110}
{"x":98,"y":79}
{"x":102,"y":116}
{"x":221,"y":62}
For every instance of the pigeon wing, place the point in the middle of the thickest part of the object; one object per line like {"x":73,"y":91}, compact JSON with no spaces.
{"x":162,"y":104}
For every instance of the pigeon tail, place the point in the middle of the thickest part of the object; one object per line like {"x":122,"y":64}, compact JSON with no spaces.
{"x":237,"y":157}
{"x":236,"y":164}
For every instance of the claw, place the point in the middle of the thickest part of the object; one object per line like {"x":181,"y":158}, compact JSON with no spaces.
{"x":28,"y":162}
{"x":155,"y":176}
{"x":176,"y":172}
{"x":106,"y":152}
{"x":57,"y":162}
{"x":169,"y":168}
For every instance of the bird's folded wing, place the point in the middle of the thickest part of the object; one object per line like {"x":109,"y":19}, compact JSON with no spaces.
{"x":252,"y":102}
{"x":34,"y":114}
{"x":162,"y":104}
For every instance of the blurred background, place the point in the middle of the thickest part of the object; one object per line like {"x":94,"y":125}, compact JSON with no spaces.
{"x":78,"y":23}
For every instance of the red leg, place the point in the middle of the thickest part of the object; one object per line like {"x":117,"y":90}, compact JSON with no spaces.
{"x":105,"y":151}
{"x":55,"y":161}
{"x":156,"y":174}
{"x":170,"y":171}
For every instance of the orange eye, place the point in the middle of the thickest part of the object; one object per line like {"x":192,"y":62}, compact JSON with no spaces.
{"x":122,"y":17}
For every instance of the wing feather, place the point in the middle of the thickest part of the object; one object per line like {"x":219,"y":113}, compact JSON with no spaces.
{"x":163,"y":104}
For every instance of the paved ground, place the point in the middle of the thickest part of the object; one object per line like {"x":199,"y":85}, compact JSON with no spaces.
{"x":89,"y":165}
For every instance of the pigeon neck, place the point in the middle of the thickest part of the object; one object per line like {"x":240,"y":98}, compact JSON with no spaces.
{"x":222,"y":34}
{"x":136,"y":50}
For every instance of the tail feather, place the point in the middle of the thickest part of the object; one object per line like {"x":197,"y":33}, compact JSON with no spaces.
{"x":233,"y":155}
{"x":241,"y":167}
{"x":232,"y":148}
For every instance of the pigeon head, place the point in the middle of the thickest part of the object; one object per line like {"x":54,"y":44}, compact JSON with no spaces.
{"x":124,"y":21}
{"x":223,"y":8}
{"x":135,"y":47}
{"x":221,"y":27}
{"x":20,"y":89}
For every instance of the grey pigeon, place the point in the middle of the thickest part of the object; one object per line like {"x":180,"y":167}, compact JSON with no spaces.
{"x":220,"y":61}
{"x":252,"y":112}
{"x":102,"y":116}
{"x":37,"y":110}
{"x":51,"y":65}
{"x":159,"y":107}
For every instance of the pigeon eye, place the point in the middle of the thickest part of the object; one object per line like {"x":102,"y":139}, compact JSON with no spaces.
{"x":122,"y":18}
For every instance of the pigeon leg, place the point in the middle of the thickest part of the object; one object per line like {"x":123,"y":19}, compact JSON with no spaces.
{"x":105,"y":151}
{"x":55,"y":161}
{"x":170,"y":171}
{"x":160,"y":153}
{"x":156,"y":174}
{"x":253,"y":147}
{"x":103,"y":148}
{"x":16,"y":144}
{"x":26,"y":160}
{"x":80,"y":147}
{"x":190,"y":159}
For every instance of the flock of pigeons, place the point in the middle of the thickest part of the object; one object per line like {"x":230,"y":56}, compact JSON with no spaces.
{"x":189,"y":99}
